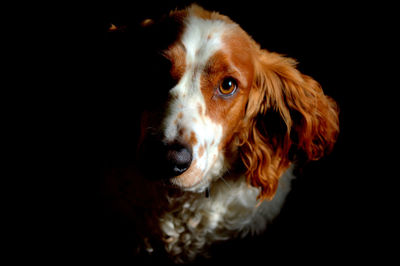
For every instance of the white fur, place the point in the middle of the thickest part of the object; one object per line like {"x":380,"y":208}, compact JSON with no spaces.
{"x":187,"y":222}
{"x":201,"y":39}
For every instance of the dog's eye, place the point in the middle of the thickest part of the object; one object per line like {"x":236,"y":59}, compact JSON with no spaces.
{"x":228,"y":86}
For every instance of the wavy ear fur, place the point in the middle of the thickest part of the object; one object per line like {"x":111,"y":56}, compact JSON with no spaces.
{"x":288,"y":117}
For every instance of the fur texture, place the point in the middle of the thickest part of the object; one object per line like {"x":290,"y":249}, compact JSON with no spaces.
{"x":243,"y":140}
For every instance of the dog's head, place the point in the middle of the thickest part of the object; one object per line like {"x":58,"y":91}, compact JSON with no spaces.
{"x":213,"y":97}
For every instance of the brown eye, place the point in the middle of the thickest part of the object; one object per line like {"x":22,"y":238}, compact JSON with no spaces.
{"x":228,"y":86}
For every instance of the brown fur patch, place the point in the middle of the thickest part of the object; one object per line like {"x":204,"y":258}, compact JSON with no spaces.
{"x":192,"y":139}
{"x":177,"y":56}
{"x":201,"y":151}
{"x":189,"y":139}
{"x":236,"y":61}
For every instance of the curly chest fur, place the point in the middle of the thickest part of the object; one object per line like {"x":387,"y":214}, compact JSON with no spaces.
{"x":193,"y":222}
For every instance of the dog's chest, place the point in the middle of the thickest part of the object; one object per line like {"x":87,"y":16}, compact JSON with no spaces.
{"x":187,"y":225}
{"x":194,"y":221}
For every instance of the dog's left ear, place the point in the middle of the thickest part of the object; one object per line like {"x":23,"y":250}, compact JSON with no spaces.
{"x":288,"y":117}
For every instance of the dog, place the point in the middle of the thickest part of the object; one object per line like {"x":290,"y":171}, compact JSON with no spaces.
{"x":222,"y":122}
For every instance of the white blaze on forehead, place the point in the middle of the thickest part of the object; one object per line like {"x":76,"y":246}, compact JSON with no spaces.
{"x":202,"y":39}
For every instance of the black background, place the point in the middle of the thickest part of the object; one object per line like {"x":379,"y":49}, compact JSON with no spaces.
{"x":332,"y":213}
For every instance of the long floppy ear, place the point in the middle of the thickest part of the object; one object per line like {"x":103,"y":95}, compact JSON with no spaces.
{"x":288,"y":117}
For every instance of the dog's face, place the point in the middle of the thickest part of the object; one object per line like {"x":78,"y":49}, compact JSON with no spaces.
{"x":211,"y":66}
{"x":209,"y":92}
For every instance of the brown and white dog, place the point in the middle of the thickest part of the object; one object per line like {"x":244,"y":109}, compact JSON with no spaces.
{"x":216,"y":148}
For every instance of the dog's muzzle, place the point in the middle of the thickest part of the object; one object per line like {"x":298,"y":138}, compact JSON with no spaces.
{"x":161,"y":160}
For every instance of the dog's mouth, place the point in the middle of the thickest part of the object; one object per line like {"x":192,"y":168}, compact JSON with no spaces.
{"x":188,"y":180}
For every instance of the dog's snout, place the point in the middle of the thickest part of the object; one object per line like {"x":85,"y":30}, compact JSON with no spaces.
{"x":178,"y":157}
{"x":160,"y":160}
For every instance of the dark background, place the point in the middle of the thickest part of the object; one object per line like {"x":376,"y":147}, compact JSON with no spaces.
{"x":331,"y":214}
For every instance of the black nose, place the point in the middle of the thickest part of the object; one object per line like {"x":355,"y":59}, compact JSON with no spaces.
{"x":178,"y":158}
{"x":159,"y":160}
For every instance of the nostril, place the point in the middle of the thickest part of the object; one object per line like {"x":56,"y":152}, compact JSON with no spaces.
{"x":160,"y":160}
{"x":179,"y":158}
